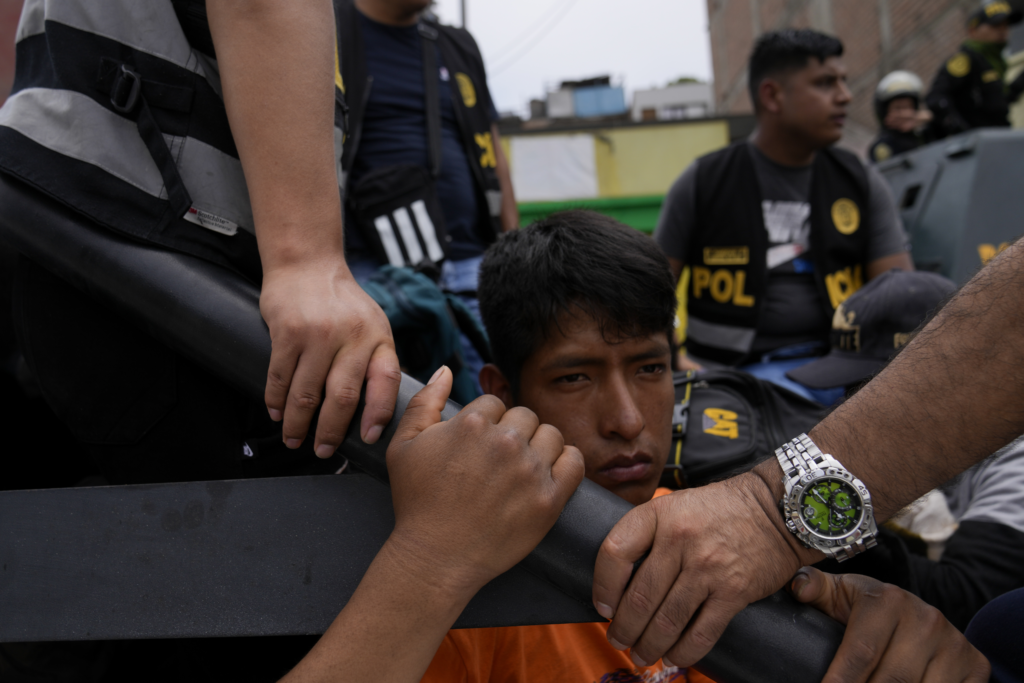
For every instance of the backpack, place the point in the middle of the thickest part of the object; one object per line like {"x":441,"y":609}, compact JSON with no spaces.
{"x":426,"y":322}
{"x":726,"y":420}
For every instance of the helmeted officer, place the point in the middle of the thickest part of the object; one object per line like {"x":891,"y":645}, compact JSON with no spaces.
{"x":970,"y":91}
{"x":904,"y":124}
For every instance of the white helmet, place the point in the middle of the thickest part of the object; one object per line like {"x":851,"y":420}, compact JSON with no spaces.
{"x":897,"y":84}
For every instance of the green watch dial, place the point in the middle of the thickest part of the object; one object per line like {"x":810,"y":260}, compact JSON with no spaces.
{"x":831,"y":508}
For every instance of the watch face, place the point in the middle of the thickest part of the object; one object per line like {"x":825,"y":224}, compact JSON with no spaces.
{"x":830,"y":507}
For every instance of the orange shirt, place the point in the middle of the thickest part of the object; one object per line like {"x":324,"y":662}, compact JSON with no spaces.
{"x":560,"y":653}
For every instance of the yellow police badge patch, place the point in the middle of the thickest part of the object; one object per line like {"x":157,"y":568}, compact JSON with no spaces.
{"x":467,"y":90}
{"x":846,"y":216}
{"x":882,"y":151}
{"x":959,"y":66}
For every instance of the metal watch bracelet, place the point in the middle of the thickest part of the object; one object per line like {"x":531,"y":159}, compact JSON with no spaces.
{"x":801,"y":456}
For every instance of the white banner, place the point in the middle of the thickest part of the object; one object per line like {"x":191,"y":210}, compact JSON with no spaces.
{"x":553,"y":167}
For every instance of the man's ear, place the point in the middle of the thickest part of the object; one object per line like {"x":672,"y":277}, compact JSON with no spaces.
{"x":492,"y":381}
{"x":768,"y":94}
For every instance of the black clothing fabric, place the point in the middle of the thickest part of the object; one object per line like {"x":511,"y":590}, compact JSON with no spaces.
{"x":982,"y":561}
{"x":182,"y":660}
{"x":996,"y":633}
{"x":731,"y":244}
{"x":142,"y":413}
{"x":890,"y":143}
{"x":471,"y":108}
{"x":394,"y":127}
{"x":969,"y":93}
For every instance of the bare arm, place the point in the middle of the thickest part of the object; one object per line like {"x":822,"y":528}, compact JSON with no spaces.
{"x":509,"y":210}
{"x":950,"y":398}
{"x":472,"y":497}
{"x":276,"y":59}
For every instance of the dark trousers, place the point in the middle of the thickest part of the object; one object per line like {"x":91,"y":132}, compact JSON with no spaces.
{"x":141,"y":413}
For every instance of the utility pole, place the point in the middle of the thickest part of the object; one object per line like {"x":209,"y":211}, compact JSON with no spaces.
{"x":462,"y":4}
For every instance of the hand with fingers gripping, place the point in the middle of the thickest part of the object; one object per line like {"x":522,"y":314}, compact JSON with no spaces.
{"x":712,"y":551}
{"x":327,"y":334}
{"x":891,"y":635}
{"x":477,"y":493}
{"x":472,"y":496}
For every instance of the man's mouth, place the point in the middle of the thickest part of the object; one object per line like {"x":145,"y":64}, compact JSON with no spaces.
{"x":627,"y":467}
{"x":839,"y":119}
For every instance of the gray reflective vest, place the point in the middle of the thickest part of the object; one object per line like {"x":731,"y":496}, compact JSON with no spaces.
{"x":116,"y":111}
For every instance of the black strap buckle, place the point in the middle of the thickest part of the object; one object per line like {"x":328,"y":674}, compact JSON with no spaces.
{"x":124,"y":94}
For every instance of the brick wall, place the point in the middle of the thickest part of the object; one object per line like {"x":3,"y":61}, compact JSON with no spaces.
{"x":10,"y":11}
{"x":879,"y":36}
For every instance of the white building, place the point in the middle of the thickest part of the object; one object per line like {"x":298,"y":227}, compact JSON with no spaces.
{"x":674,"y":102}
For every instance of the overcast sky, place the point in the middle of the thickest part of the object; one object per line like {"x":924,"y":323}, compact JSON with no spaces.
{"x":530,"y":45}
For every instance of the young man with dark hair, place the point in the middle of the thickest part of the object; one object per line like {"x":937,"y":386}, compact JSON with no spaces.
{"x":779,"y":229}
{"x":580,"y":309}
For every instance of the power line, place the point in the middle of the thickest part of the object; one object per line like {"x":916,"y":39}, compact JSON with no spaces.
{"x":551,"y":22}
{"x":510,"y":46}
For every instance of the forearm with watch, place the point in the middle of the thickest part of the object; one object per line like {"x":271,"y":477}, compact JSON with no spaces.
{"x":949,"y":399}
{"x":823,"y":507}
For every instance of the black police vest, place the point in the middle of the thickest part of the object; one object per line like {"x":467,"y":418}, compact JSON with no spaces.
{"x":728,"y":251}
{"x":116,"y":111}
{"x":985,"y":103}
{"x":969,"y":85}
{"x":462,"y":58}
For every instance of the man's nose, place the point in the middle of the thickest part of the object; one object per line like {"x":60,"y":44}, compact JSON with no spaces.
{"x":622,"y":416}
{"x":844,"y":95}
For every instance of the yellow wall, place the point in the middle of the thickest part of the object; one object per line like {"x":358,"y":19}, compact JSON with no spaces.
{"x":645,"y":160}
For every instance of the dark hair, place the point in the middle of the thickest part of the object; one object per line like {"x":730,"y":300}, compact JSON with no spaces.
{"x":571,"y":262}
{"x":779,"y":52}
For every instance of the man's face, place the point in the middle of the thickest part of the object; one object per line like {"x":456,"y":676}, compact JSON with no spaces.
{"x":902,"y":115}
{"x":812,"y":102}
{"x":613,"y":401}
{"x":991,"y":33}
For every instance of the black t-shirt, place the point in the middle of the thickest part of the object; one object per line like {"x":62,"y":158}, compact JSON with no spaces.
{"x":394,"y":131}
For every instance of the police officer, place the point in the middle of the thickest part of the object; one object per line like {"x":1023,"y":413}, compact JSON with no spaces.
{"x":970,"y":91}
{"x":780,"y":229}
{"x":898,"y":107}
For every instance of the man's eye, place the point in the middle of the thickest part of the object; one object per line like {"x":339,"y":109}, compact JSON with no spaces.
{"x":653,"y":368}
{"x":569,"y":379}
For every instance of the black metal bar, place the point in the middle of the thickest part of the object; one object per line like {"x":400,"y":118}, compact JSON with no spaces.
{"x":220,"y":558}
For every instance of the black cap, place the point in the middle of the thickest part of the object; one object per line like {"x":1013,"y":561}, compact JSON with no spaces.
{"x":874,"y":323}
{"x":995,"y":12}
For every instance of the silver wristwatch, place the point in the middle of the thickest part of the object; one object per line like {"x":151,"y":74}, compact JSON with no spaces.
{"x":825,"y":506}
